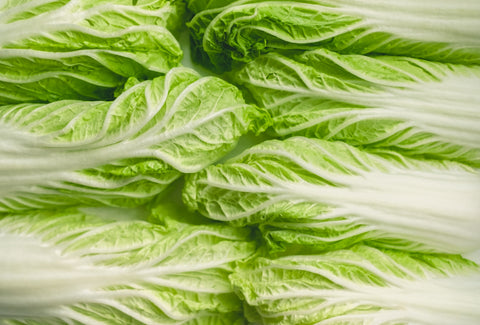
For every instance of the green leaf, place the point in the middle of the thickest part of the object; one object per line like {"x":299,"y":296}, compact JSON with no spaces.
{"x":361,"y":285}
{"x":81,"y":49}
{"x":412,"y":106}
{"x":67,"y":267}
{"x":119,"y":153}
{"x":311,"y":195}
{"x":433,"y":30}
{"x":197,"y":6}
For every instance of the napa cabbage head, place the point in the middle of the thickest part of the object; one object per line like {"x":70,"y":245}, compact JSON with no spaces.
{"x":123,"y":152}
{"x":433,"y":30}
{"x":415,"y":107}
{"x":360,"y":285}
{"x":69,"y":266}
{"x":309,"y":195}
{"x":82,"y":49}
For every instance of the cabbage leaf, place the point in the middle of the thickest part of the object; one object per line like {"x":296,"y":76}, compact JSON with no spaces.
{"x":433,"y":30}
{"x":196,"y":6}
{"x":118,"y":153}
{"x":69,"y":267}
{"x":310,"y":195}
{"x":83,"y":49}
{"x":412,"y":106}
{"x":361,"y":285}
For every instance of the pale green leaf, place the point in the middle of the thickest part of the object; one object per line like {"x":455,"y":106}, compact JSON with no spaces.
{"x":361,"y":286}
{"x":433,"y":30}
{"x":83,"y":49}
{"x":311,"y":195}
{"x":412,"y":106}
{"x":122,"y":152}
{"x":66,"y":267}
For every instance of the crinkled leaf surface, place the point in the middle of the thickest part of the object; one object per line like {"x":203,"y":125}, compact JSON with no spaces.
{"x":197,"y":6}
{"x":67,"y":267}
{"x":121,"y":152}
{"x":359,"y":286}
{"x":312,"y":195}
{"x":433,"y":30}
{"x":83,"y":49}
{"x":413,"y":106}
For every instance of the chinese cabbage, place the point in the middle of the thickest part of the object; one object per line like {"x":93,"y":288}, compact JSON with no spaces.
{"x":118,"y":153}
{"x":311,"y":195}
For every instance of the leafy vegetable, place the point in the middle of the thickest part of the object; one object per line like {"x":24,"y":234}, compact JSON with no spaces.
{"x":433,"y":30}
{"x":197,"y":27}
{"x":197,"y":6}
{"x":361,"y":285}
{"x":121,"y":152}
{"x":83,"y":49}
{"x":414,"y":106}
{"x":68,"y":267}
{"x":348,"y":222}
{"x":312,"y":195}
